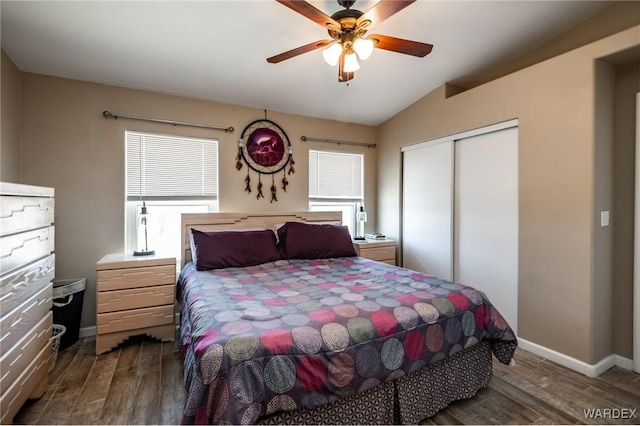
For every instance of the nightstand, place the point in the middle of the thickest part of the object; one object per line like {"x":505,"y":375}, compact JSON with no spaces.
{"x":135,"y":295}
{"x":380,"y":250}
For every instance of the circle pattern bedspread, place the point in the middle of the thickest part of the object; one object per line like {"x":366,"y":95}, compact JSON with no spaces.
{"x":295,"y":334}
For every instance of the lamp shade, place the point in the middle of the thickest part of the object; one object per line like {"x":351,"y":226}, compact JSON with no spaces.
{"x":351,"y":62}
{"x":332,"y":54}
{"x":362,"y":215}
{"x":363,"y":47}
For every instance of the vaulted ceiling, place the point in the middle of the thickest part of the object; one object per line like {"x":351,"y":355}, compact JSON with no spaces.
{"x":217,"y":50}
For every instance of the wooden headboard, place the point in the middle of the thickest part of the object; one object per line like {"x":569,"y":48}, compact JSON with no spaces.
{"x":246,"y":221}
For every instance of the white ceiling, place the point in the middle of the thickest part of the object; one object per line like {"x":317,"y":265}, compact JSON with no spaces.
{"x":217,"y":50}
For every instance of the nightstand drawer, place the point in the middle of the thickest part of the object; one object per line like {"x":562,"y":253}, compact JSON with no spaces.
{"x":378,"y":250}
{"x":134,"y":319}
{"x":119,"y":279}
{"x":119,"y":300}
{"x":379,"y":253}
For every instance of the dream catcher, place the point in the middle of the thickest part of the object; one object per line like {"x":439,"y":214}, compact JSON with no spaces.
{"x":266,"y":149}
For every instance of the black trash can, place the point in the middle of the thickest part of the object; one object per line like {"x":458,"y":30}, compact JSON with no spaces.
{"x":67,"y":308}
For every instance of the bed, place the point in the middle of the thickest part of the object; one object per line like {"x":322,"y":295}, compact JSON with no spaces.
{"x":309,"y":333}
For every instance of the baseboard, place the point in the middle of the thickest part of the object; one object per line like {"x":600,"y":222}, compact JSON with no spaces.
{"x":589,"y":370}
{"x":87,"y":331}
{"x":623,"y":362}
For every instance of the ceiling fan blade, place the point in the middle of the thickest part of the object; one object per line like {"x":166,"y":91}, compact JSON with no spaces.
{"x":400,"y":45}
{"x":307,"y":10}
{"x":382,"y":11}
{"x":298,"y":51}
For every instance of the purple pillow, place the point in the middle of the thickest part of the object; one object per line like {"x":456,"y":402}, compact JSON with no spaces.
{"x":228,"y":249}
{"x":299,"y":240}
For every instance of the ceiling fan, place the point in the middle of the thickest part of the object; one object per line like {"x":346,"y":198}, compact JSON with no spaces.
{"x":349,"y":41}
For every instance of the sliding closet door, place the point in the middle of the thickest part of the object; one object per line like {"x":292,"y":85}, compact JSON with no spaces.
{"x":427,"y":208}
{"x":486,"y":217}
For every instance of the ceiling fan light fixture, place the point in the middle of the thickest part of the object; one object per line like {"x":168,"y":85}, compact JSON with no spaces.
{"x":332,"y":54}
{"x":351,"y":62}
{"x":363,"y":47}
{"x":347,"y":29}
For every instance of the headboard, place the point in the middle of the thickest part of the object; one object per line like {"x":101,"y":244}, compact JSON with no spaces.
{"x":247,"y":221}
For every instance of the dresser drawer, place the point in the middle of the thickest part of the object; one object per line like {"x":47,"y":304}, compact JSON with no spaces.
{"x":379,"y":253}
{"x":135,"y":318}
{"x":21,"y":249}
{"x":15,"y":360}
{"x":18,"y":285}
{"x":21,"y":390}
{"x":144,"y":297}
{"x":21,"y":214}
{"x":121,"y":279}
{"x":15,"y":324}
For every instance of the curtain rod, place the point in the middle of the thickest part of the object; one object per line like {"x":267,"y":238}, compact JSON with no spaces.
{"x":337,"y":142}
{"x":108,"y":114}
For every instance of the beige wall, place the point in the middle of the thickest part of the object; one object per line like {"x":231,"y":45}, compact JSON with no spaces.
{"x":554,"y":103}
{"x":69,"y":145}
{"x":10,"y":109}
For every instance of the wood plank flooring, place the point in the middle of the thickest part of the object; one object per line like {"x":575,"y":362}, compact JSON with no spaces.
{"x":141,"y":383}
{"x":138,"y":383}
{"x":538,"y":391}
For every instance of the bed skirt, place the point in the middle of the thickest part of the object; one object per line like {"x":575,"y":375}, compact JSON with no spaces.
{"x":407,"y":399}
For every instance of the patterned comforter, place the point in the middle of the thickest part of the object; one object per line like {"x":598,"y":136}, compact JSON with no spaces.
{"x":296,"y":334}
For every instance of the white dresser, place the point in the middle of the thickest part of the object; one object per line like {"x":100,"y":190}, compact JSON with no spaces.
{"x":27,"y":266}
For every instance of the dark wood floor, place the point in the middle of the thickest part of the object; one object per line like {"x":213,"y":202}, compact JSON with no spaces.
{"x":141,"y":383}
{"x":538,"y":391}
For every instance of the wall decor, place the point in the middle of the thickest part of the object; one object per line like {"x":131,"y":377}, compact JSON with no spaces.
{"x":265,"y":148}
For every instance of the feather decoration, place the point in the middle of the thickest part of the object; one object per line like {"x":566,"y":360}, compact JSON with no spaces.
{"x":260,"y":194}
{"x":273,"y":191}
{"x":291,"y":169}
{"x":239,"y":159}
{"x":247,"y":182}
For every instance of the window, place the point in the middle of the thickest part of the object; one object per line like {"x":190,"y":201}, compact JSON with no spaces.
{"x":172,"y":175}
{"x":336,"y":183}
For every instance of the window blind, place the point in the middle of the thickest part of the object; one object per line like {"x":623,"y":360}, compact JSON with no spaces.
{"x":170,"y":167}
{"x":335,"y":175}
